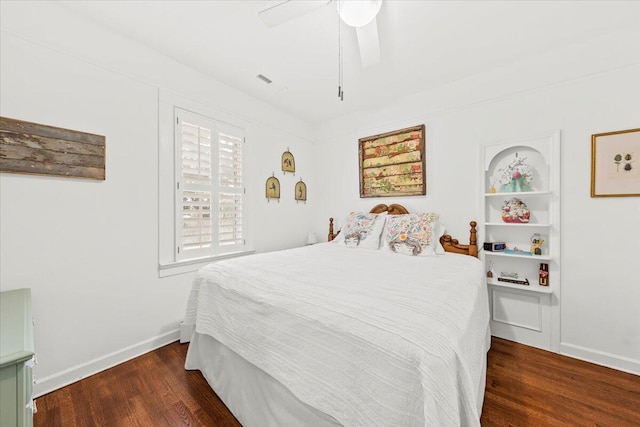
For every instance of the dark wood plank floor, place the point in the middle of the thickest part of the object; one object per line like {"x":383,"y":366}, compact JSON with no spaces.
{"x":150,"y":390}
{"x":531,"y":387}
{"x":525,"y":387}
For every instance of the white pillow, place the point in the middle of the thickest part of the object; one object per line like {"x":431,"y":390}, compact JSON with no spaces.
{"x":362,"y":230}
{"x":411,"y":234}
{"x":438,"y":232}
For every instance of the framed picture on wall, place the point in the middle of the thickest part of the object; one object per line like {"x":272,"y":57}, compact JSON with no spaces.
{"x":615,"y":170}
{"x":393,"y":163}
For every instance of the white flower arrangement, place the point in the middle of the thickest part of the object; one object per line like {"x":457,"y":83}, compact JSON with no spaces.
{"x":516,"y":169}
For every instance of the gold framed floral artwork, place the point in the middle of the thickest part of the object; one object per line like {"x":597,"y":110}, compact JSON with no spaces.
{"x":393,"y":163}
{"x":615,"y":171}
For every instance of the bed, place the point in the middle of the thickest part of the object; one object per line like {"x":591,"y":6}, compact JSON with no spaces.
{"x":329,"y":335}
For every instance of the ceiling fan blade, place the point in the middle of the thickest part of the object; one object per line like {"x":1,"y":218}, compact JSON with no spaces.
{"x":288,"y":10}
{"x":369,"y":43}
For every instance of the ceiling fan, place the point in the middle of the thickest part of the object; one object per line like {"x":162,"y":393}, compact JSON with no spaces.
{"x":360,"y":14}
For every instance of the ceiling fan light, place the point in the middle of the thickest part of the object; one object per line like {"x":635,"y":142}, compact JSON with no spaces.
{"x":358,"y":13}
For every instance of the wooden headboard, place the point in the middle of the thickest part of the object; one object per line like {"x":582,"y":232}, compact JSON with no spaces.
{"x":448,"y":243}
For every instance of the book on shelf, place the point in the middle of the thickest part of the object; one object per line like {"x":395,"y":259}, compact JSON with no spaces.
{"x":524,"y":282}
{"x":517,"y":252}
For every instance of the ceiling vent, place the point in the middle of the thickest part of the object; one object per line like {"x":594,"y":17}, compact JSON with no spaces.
{"x":264,"y":78}
{"x":270,"y":82}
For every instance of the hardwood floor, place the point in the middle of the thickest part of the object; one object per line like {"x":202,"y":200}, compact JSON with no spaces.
{"x":531,"y":387}
{"x":151,"y":390}
{"x":525,"y":387}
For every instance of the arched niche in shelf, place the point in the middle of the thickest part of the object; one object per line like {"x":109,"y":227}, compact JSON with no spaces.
{"x":499,"y":167}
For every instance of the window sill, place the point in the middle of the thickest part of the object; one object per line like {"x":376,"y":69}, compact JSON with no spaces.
{"x":189,"y":265}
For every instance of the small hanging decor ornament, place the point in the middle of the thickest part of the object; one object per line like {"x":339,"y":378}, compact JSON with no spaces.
{"x":490,"y":270}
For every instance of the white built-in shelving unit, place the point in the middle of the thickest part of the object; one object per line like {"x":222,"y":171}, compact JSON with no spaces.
{"x":529,"y":314}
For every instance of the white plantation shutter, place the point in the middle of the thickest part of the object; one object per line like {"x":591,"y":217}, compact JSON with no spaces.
{"x":231,"y":189}
{"x":209,"y":187}
{"x":197,"y":230}
{"x":196,"y":153}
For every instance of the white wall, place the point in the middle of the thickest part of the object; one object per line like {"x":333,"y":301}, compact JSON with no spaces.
{"x":588,"y":88}
{"x":89,"y":249}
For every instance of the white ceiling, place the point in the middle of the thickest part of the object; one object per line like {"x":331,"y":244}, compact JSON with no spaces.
{"x":423,"y":44}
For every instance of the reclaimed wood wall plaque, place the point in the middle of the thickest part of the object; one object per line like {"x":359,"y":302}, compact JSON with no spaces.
{"x":46,"y":150}
{"x":393,"y":163}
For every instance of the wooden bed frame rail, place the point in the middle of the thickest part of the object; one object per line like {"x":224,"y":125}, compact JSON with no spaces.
{"x":448,"y":243}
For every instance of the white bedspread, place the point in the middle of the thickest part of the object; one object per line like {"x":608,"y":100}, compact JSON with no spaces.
{"x":370,"y":338}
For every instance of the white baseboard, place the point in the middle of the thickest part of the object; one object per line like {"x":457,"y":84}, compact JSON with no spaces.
{"x":185,"y":332}
{"x":53,"y":382}
{"x":601,"y":358}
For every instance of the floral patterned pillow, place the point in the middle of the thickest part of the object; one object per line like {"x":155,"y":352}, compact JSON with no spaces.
{"x":362,"y":230}
{"x":410,"y":234}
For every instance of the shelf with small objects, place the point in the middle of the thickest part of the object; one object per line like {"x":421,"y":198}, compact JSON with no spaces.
{"x":521,"y":231}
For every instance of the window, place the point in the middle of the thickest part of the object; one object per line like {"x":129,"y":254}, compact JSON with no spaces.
{"x":209,"y":187}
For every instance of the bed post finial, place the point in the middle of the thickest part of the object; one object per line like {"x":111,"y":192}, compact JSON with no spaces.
{"x":331,"y":235}
{"x":473,"y":243}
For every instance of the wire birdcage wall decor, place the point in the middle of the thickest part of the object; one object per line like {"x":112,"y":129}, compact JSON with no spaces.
{"x":301,"y":191}
{"x":288,"y":163}
{"x":272,"y":188}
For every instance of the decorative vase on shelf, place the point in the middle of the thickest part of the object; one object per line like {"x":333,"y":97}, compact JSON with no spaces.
{"x":516,"y":177}
{"x":515,"y":211}
{"x":516,"y":185}
{"x":519,"y":185}
{"x":507,"y":188}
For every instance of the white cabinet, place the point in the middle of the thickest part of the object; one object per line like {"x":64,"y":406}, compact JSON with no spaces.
{"x":520,"y":205}
{"x":16,"y":359}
